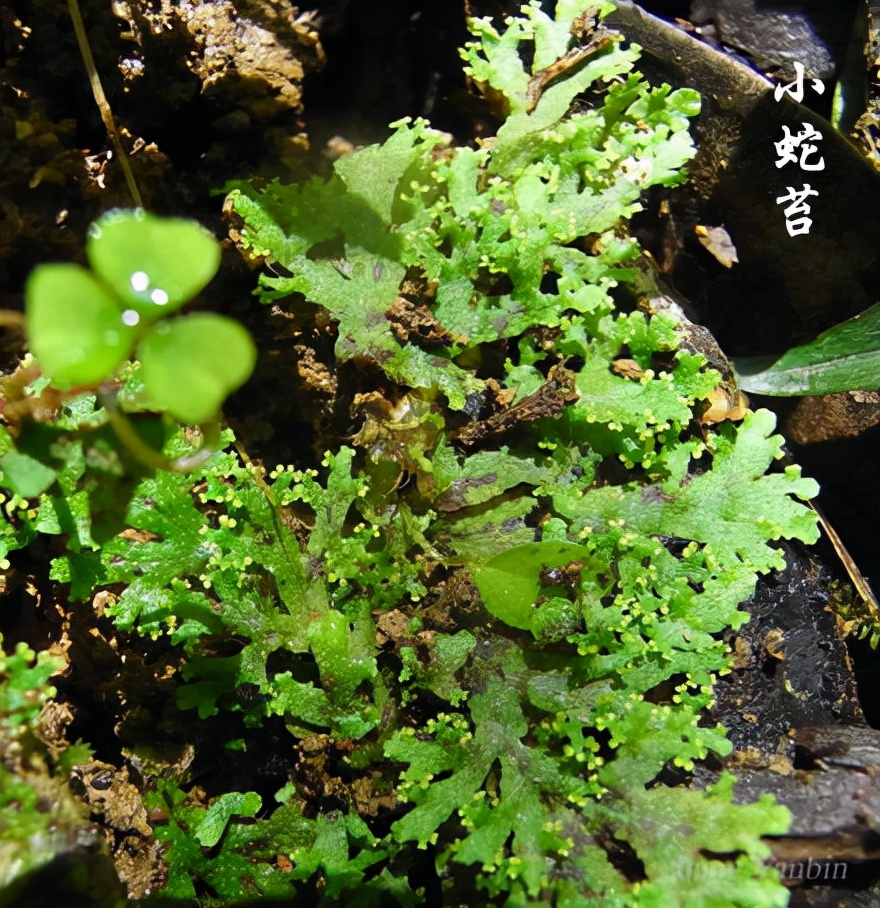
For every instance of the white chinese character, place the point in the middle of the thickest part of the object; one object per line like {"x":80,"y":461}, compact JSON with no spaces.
{"x":796,"y":89}
{"x":786,"y":145}
{"x":796,"y":226}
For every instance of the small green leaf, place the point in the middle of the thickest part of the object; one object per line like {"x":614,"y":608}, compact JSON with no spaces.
{"x":844,"y":358}
{"x":233,"y":803}
{"x":510,"y":582}
{"x":154,"y":264}
{"x":190,"y":365}
{"x":26,"y":475}
{"x":75,"y":329}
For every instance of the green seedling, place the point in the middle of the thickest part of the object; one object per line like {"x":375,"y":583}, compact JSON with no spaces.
{"x":82,"y":324}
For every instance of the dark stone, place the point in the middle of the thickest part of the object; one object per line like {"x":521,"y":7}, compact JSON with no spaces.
{"x":777,"y":34}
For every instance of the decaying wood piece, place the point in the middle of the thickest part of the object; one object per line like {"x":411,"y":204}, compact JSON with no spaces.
{"x":549,"y":400}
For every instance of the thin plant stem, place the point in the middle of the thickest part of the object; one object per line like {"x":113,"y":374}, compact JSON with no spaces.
{"x":149,"y":456}
{"x":101,"y":100}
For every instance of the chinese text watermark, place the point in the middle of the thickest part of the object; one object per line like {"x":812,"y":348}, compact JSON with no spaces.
{"x":798,"y":148}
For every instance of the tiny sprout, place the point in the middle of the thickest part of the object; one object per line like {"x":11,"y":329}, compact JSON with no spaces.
{"x":83,"y":324}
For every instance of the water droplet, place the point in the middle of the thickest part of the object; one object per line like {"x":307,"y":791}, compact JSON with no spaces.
{"x":159,"y":297}
{"x":140,"y":280}
{"x":130,"y":317}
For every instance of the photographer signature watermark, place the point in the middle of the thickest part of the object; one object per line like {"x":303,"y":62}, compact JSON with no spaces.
{"x":823,"y":870}
{"x":806,"y":870}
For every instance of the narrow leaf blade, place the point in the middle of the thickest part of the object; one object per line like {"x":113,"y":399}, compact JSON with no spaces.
{"x":844,"y":358}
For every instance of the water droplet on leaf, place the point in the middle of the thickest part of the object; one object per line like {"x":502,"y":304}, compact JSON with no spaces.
{"x":154,"y":264}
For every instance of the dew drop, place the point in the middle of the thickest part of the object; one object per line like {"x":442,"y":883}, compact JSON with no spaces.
{"x":130,"y":317}
{"x":140,"y":280}
{"x":159,"y":297}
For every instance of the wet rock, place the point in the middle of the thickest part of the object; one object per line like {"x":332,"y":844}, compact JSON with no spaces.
{"x":792,"y":670}
{"x":776,"y":35}
{"x":833,"y":794}
{"x":792,"y":713}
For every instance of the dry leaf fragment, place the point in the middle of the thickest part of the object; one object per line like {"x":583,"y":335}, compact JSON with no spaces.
{"x":717,"y":240}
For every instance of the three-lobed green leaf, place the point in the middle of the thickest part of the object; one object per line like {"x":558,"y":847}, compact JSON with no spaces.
{"x":82,"y":324}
